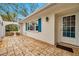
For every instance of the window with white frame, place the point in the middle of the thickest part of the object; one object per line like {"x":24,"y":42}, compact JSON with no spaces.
{"x":28,"y":26}
{"x":32,"y":26}
{"x":69,"y":26}
{"x":36,"y":25}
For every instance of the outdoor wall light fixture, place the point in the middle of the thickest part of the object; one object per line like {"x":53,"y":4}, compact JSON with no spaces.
{"x":47,"y":19}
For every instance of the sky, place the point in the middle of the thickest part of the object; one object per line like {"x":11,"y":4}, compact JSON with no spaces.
{"x":40,"y":5}
{"x":26,"y":6}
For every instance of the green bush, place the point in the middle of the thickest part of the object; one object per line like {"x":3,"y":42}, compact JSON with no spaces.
{"x":11,"y":27}
{"x":17,"y":33}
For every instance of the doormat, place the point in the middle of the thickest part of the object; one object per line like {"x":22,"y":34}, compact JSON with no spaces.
{"x":65,"y":48}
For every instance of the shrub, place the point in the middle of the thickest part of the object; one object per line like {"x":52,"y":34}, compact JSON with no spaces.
{"x":17,"y":33}
{"x":9,"y":34}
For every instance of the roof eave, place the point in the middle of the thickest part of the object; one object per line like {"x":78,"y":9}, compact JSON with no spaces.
{"x":47,"y":6}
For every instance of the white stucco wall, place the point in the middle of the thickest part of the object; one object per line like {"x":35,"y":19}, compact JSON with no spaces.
{"x":1,"y":28}
{"x":47,"y":33}
{"x":59,"y":37}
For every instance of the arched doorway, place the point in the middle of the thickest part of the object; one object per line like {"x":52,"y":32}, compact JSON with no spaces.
{"x":11,"y":29}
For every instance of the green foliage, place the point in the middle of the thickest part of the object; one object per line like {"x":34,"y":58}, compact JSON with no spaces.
{"x":11,"y":27}
{"x":10,"y":11}
{"x":33,"y":7}
{"x":13,"y":11}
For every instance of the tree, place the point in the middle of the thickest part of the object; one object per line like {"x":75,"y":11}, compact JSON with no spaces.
{"x":33,"y":7}
{"x":5,"y":13}
{"x":11,"y":27}
{"x":13,"y":11}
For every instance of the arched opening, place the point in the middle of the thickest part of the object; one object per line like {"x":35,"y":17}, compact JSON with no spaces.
{"x":11,"y":29}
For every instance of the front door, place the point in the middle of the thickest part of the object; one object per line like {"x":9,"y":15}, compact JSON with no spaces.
{"x":68,"y":29}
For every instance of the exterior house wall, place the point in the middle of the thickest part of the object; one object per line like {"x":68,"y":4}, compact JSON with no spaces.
{"x":1,"y":28}
{"x":1,"y":31}
{"x":21,"y":28}
{"x":47,"y":33}
{"x":51,"y":30}
{"x":58,"y":24}
{"x":24,"y":30}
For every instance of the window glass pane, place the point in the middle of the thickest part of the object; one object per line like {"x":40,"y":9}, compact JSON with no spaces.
{"x":64,"y":19}
{"x":36,"y":28}
{"x":72,"y":29}
{"x":64,"y":28}
{"x":68,"y":33}
{"x":64,"y":33}
{"x":31,"y":26}
{"x":73,"y":34}
{"x":64,"y":23}
{"x":36,"y":25}
{"x":68,"y":23}
{"x":72,"y":23}
{"x":68,"y":28}
{"x":28,"y":26}
{"x":68,"y":18}
{"x":73,"y":18}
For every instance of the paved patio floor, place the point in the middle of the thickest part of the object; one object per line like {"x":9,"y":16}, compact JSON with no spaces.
{"x":26,"y":46}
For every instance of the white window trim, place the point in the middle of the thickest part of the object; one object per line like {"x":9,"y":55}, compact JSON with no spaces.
{"x":62,"y":24}
{"x":34,"y":26}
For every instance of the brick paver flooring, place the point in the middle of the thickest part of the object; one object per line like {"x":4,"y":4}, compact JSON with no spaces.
{"x":26,"y":46}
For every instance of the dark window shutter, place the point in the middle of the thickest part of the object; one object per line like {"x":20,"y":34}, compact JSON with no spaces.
{"x":39,"y":25}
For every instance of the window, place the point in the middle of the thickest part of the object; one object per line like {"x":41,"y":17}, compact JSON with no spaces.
{"x":26,"y":27}
{"x":36,"y":25}
{"x":32,"y":26}
{"x":69,"y":26}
